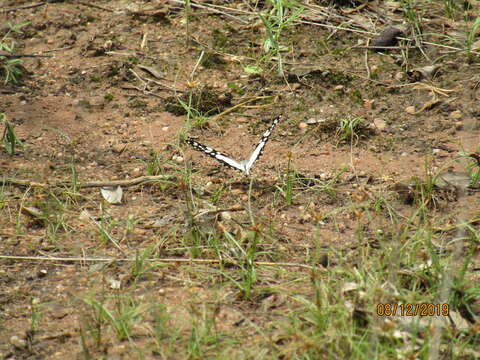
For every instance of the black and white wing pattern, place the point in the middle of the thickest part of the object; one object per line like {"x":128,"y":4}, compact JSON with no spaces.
{"x":261,"y":145}
{"x":244,"y":165}
{"x":224,"y":159}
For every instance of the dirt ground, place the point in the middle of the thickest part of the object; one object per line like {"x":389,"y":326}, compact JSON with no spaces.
{"x":104,"y":107}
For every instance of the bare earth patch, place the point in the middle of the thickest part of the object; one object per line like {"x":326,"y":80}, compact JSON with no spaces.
{"x":364,"y":204}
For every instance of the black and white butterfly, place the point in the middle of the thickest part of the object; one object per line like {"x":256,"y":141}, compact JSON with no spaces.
{"x":244,"y":165}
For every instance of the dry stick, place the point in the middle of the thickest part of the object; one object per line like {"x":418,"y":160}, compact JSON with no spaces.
{"x":94,"y":6}
{"x":58,"y":49}
{"x":145,"y":85}
{"x":22,"y":7}
{"x":197,"y":64}
{"x":142,"y":79}
{"x":107,"y":234}
{"x":230,"y":109}
{"x":198,"y":261}
{"x":217,"y":211}
{"x":383,"y":47}
{"x":125,"y":183}
{"x":337,"y":27}
{"x":192,"y":4}
{"x":457,"y":225}
{"x":10,"y":56}
{"x":366,"y":61}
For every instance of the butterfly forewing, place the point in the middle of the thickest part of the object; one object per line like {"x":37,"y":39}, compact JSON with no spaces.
{"x":257,"y":152}
{"x":216,"y":155}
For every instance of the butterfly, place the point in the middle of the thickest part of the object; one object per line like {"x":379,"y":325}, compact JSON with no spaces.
{"x":244,"y":165}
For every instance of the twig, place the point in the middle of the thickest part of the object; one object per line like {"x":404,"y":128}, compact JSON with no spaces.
{"x":10,"y":56}
{"x":193,"y":4}
{"x":58,"y":49}
{"x":23,"y":7}
{"x":124,"y":183}
{"x":145,"y":85}
{"x":366,"y":61}
{"x":197,"y":64}
{"x":457,"y":225}
{"x":230,"y":109}
{"x":216,"y":211}
{"x":143,"y":79}
{"x":107,"y":234}
{"x":337,"y":27}
{"x":103,"y":259}
{"x":383,"y":47}
{"x":94,"y":6}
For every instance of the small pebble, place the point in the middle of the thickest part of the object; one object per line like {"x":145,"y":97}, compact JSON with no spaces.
{"x":177,"y":158}
{"x":410,"y":110}
{"x":17,"y":342}
{"x":457,"y":114}
{"x":380,"y":124}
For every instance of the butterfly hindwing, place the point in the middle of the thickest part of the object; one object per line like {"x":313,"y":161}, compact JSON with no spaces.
{"x":224,"y":159}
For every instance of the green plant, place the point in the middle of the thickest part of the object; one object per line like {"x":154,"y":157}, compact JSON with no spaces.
{"x":217,"y":194}
{"x":450,"y":8}
{"x":288,"y":184}
{"x":155,"y":164}
{"x":284,"y":14}
{"x":203,"y":334}
{"x":413,"y":17}
{"x":473,"y":167}
{"x":35,"y":315}
{"x":11,"y":67}
{"x":125,"y":314}
{"x":9,"y":138}
{"x":142,"y":264}
{"x":246,"y":258}
{"x":472,"y":36}
{"x":348,"y":129}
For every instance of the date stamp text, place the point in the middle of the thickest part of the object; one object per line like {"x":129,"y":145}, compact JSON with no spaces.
{"x":425,"y":309}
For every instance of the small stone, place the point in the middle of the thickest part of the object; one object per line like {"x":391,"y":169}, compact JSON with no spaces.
{"x":457,"y":114}
{"x":410,"y":110}
{"x":118,"y":148}
{"x":42,"y":273}
{"x":339,"y":88}
{"x":306,"y":217}
{"x":225,"y":215}
{"x":400,"y":76}
{"x":303,"y":125}
{"x":139,"y":231}
{"x":380,"y":124}
{"x":17,"y":342}
{"x":115,"y":284}
{"x":178,"y":159}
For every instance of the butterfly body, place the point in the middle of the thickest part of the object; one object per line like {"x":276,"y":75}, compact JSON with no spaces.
{"x":244,"y":165}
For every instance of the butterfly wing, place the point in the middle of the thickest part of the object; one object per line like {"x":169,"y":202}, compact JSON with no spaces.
{"x":224,"y":159}
{"x":263,"y":141}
